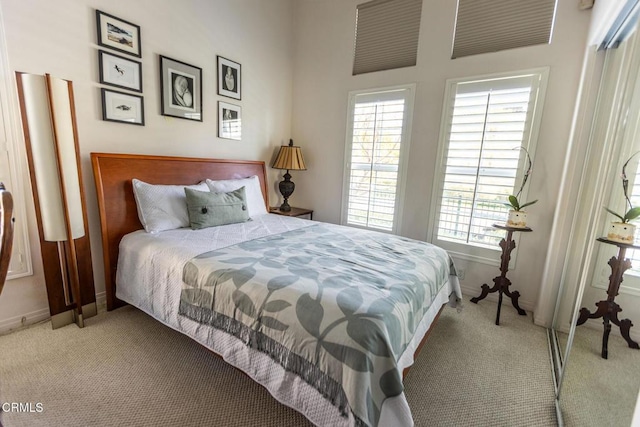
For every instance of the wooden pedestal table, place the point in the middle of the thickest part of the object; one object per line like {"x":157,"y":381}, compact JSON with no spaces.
{"x":501,"y":283}
{"x":608,"y":309}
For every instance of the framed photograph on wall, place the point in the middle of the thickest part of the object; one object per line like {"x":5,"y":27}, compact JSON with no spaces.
{"x":229,"y":121}
{"x":181,"y":85}
{"x":229,"y":78}
{"x":118,"y":34}
{"x":119,"y":71}
{"x":122,"y":107}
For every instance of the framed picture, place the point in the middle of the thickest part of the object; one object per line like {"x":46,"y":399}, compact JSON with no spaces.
{"x":119,"y":71}
{"x":118,"y":34}
{"x":122,"y":107}
{"x":229,"y":79}
{"x":181,"y":85}
{"x":229,"y":121}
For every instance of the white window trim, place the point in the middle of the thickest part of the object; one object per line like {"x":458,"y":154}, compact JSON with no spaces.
{"x":14,"y":138}
{"x":404,"y":153}
{"x":483,"y":255}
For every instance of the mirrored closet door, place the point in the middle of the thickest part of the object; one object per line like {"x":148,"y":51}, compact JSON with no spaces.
{"x":598,"y":376}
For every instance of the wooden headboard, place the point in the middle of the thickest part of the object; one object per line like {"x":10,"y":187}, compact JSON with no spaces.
{"x":118,"y":214}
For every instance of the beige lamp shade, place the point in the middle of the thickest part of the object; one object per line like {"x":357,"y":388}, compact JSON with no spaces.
{"x":290,"y":158}
{"x":49,"y":176}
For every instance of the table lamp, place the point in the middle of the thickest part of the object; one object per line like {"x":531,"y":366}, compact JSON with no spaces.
{"x":289,"y":158}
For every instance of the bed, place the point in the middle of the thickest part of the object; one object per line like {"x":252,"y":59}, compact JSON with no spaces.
{"x":327,"y":318}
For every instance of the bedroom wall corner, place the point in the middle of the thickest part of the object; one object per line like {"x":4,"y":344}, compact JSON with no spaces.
{"x":60,"y":38}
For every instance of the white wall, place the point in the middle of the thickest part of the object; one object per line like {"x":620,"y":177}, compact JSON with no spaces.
{"x":59,"y":37}
{"x":322,"y":78}
{"x":604,"y":13}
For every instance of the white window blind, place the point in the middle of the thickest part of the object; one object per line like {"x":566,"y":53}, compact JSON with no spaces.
{"x":386,"y":35}
{"x":491,"y":25}
{"x":376,"y":145}
{"x":486,"y":122}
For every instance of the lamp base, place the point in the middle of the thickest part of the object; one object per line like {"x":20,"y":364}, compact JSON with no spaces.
{"x":286,"y":189}
{"x":284,"y":207}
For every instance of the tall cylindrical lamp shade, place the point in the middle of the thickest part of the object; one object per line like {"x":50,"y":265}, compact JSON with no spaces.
{"x":49,"y":125}
{"x":45,"y":160}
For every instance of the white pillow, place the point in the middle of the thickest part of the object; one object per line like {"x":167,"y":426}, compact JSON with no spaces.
{"x":255,"y":200}
{"x":162,"y":207}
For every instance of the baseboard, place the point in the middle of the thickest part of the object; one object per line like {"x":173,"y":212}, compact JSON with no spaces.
{"x":101,"y":301}
{"x":8,"y":325}
{"x":474,"y":291}
{"x":18,"y":322}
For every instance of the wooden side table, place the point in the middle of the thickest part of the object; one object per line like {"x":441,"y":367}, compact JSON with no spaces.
{"x":501,"y":283}
{"x":292,"y":212}
{"x":608,"y":309}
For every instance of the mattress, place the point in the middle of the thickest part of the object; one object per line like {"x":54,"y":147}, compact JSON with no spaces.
{"x":149,"y":277}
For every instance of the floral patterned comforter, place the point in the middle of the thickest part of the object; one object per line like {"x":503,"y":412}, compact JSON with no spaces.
{"x":335,"y":305}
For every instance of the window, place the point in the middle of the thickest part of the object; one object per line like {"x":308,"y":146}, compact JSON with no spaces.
{"x":386,"y":35}
{"x":494,"y":25}
{"x":376,"y":155}
{"x":485,"y":123}
{"x":631,"y":283}
{"x":20,"y":264}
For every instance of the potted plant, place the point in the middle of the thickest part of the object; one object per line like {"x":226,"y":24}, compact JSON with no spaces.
{"x":623,"y":231}
{"x":517,"y":216}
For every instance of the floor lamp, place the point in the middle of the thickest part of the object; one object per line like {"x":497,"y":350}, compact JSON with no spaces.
{"x":49,"y":125}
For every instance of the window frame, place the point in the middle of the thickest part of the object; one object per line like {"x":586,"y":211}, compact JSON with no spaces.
{"x":11,"y":150}
{"x":469,"y":251}
{"x":410,"y":90}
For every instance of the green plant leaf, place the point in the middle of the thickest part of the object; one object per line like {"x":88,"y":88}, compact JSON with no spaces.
{"x":632,"y":214}
{"x":528,"y":204}
{"x":615,"y":214}
{"x":514,"y":202}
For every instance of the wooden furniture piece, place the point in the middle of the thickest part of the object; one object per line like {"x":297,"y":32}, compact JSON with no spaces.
{"x":501,"y":283}
{"x":608,"y":309}
{"x":118,"y":213}
{"x":6,"y":228}
{"x":292,"y":212}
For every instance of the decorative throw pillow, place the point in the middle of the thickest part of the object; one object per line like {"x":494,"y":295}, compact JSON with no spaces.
{"x":255,"y":199}
{"x":208,"y":209}
{"x":162,"y":207}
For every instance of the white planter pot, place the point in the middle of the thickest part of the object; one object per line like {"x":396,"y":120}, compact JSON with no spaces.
{"x":517,"y":219}
{"x":622,"y":232}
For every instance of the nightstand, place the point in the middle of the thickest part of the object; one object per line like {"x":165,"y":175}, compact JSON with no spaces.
{"x":293,"y":212}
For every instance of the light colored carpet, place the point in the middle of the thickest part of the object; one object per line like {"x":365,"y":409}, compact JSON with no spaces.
{"x":125,"y":369}
{"x":597,"y":391}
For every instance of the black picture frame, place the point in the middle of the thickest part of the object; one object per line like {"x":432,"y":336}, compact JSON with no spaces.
{"x":181,"y":89}
{"x":118,"y":34}
{"x":229,"y":78}
{"x":120,"y":72}
{"x":122,"y":107}
{"x":229,"y":121}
